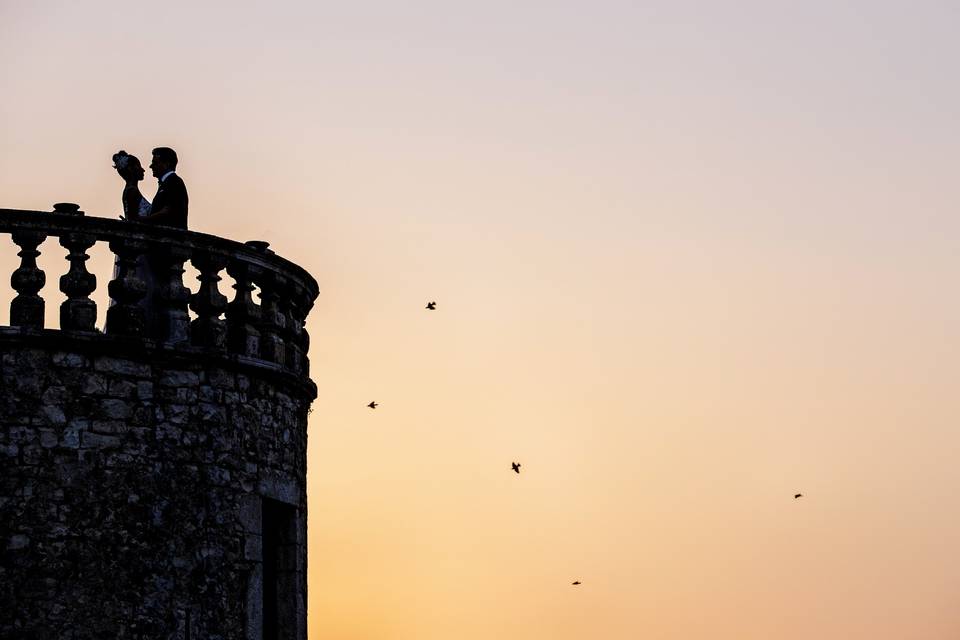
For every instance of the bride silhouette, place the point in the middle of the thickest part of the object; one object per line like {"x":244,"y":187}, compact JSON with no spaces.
{"x":135,"y":206}
{"x":135,"y":209}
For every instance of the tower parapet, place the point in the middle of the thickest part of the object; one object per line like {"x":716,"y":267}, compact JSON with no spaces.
{"x":153,"y":474}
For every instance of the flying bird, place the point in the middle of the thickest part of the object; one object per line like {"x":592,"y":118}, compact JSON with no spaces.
{"x":575,"y":582}
{"x":372,"y":405}
{"x":797,"y":495}
{"x":432,"y":306}
{"x":515,"y":466}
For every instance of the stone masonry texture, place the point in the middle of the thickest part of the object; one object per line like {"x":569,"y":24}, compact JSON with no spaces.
{"x":131,"y":487}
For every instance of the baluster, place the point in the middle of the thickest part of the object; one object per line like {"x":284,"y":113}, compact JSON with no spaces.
{"x":208,"y":330}
{"x":173,"y":319}
{"x":296,"y":335}
{"x":127,"y":317}
{"x":78,"y":312}
{"x":243,"y":314}
{"x":304,"y":306}
{"x":27,"y":309}
{"x":272,"y":321}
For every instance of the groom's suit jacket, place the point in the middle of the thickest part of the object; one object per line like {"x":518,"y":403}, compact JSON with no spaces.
{"x":172,"y":194}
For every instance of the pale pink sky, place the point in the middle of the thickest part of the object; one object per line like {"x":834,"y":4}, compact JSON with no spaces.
{"x":690,"y":258}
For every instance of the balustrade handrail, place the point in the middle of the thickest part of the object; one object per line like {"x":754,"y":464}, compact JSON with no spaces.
{"x":155,"y":308}
{"x":106,"y":229}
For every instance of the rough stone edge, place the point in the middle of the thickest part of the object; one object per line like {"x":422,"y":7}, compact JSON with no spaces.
{"x":95,"y":345}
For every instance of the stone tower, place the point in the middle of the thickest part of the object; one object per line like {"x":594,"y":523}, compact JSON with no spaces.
{"x":153,"y":474}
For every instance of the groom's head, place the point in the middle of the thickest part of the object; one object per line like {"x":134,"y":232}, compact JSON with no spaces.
{"x":164,"y":160}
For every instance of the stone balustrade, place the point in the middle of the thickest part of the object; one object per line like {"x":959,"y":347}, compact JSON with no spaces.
{"x":270,"y":333}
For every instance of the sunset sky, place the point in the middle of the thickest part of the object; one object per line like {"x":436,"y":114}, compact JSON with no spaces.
{"x":689,"y":258}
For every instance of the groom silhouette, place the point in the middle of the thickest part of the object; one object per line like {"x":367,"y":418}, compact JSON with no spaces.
{"x":169,"y":206}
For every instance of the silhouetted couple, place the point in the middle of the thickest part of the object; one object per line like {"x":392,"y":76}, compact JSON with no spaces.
{"x":169,"y":209}
{"x":169,"y":206}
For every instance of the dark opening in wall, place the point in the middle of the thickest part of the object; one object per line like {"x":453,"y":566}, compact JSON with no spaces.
{"x":279,"y":570}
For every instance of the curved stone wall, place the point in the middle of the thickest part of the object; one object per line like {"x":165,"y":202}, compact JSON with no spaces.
{"x":132,"y":492}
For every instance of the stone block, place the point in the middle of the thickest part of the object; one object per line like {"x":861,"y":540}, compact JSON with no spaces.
{"x":48,"y":438}
{"x":71,"y":360}
{"x":91,"y":440}
{"x":124,"y":389}
{"x":179,"y":379}
{"x":71,"y":434}
{"x":142,"y":417}
{"x":145,"y":390}
{"x":121,"y":367}
{"x":174,"y":413}
{"x":167,"y":431}
{"x":209,"y":394}
{"x":281,"y":487}
{"x":94,"y":384}
{"x":177,"y":395}
{"x":17,"y":541}
{"x":251,"y":513}
{"x":253,"y":548}
{"x":55,"y":395}
{"x":24,"y":384}
{"x":218,"y":475}
{"x":52,"y":415}
{"x":119,"y":460}
{"x":112,"y":409}
{"x":213,"y":413}
{"x":32,"y":359}
{"x":142,"y":434}
{"x":220,"y":379}
{"x":110,"y":427}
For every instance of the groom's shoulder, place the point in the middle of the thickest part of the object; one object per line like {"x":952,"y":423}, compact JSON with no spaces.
{"x":174,"y":183}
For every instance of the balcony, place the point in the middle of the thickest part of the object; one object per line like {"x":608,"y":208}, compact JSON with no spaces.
{"x":153,"y":315}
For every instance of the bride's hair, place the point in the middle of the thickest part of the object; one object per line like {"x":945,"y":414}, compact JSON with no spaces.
{"x":121,"y":161}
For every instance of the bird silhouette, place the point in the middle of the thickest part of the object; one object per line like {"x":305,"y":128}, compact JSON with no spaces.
{"x":575,"y":582}
{"x":372,"y":405}
{"x":516,"y":466}
{"x":432,"y":306}
{"x":797,"y":495}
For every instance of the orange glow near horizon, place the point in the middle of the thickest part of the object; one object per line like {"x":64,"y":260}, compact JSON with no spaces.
{"x":688,"y":261}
